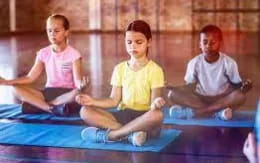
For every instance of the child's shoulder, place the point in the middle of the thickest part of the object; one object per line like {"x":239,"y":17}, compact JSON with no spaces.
{"x":152,"y":63}
{"x":197,"y":58}
{"x":121,"y":65}
{"x":45,"y":50}
{"x":226,"y":57}
{"x":72,"y":49}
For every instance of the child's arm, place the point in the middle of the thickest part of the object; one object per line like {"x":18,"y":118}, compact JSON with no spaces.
{"x":234,"y":77}
{"x":77,"y":73}
{"x":244,"y":86}
{"x":157,"y":101}
{"x":34,"y":73}
{"x":112,"y":101}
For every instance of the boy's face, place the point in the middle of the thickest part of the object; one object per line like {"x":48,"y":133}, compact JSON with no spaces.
{"x":56,"y":31}
{"x":136,"y":44}
{"x":210,"y":43}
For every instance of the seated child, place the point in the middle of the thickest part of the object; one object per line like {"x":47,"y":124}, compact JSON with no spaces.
{"x":136,"y":89}
{"x":213,"y":82}
{"x":62,"y":64}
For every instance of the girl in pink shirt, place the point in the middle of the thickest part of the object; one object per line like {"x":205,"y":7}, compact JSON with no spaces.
{"x":62,"y":64}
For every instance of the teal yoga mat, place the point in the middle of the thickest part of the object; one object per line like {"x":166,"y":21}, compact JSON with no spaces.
{"x":68,"y":136}
{"x":239,"y":119}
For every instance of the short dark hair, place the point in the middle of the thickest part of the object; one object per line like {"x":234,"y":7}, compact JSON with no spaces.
{"x":65,"y":21}
{"x":140,"y":26}
{"x":212,"y":29}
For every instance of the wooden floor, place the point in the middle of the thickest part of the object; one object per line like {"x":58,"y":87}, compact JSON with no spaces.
{"x":101,"y":52}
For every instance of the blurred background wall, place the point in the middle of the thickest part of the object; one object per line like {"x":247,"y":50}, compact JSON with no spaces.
{"x":113,"y":15}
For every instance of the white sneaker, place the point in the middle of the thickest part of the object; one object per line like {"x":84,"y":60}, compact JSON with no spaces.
{"x":179,"y":112}
{"x":225,"y":114}
{"x":137,"y":138}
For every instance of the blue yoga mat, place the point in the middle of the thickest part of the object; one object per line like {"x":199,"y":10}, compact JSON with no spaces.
{"x":13,"y":111}
{"x":240,"y":118}
{"x":69,"y":136}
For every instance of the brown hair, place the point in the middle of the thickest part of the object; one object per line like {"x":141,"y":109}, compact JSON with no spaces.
{"x":140,"y":26}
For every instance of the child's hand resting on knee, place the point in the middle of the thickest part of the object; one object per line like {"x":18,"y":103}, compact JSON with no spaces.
{"x":157,"y":103}
{"x":84,"y":99}
{"x":246,"y":85}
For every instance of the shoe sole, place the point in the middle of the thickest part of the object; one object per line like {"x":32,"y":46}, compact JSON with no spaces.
{"x":227,"y":114}
{"x":139,"y":138}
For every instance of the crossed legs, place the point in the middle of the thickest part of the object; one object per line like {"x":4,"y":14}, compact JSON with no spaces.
{"x":36,"y":97}
{"x":32,"y":96}
{"x":185,"y":96}
{"x":151,"y":119}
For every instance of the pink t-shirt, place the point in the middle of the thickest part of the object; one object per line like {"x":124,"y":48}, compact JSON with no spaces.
{"x":59,"y":66}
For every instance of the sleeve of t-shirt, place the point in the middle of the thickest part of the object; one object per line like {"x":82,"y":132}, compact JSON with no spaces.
{"x":40,"y":56}
{"x":232,"y":71}
{"x":157,"y":78}
{"x":116,"y":79}
{"x":190,"y":76}
{"x":76,"y":55}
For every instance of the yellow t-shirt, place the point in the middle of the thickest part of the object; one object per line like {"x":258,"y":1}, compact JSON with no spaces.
{"x":137,"y":85}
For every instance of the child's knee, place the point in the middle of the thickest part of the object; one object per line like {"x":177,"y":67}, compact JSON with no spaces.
{"x":242,"y":97}
{"x":84,"y":112}
{"x":239,"y":95}
{"x":17,"y":90}
{"x":156,"y":115}
{"x":160,"y":116}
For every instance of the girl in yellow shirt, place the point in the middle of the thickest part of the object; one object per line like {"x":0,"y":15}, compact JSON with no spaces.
{"x":136,"y":89}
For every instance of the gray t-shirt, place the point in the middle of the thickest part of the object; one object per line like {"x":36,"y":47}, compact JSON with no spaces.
{"x":212,"y":78}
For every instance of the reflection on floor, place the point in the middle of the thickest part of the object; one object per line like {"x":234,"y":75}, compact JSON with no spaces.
{"x":101,"y":52}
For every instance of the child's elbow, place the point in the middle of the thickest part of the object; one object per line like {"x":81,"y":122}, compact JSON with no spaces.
{"x":115,"y":101}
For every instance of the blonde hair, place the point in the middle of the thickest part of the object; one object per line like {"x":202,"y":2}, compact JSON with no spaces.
{"x":65,"y":21}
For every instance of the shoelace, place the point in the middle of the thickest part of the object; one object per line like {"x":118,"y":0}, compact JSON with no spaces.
{"x":102,"y":136}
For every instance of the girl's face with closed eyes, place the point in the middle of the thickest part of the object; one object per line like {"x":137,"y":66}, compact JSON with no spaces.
{"x":136,"y":44}
{"x":56,"y":32}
